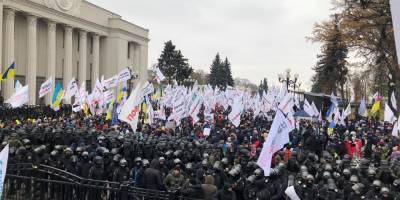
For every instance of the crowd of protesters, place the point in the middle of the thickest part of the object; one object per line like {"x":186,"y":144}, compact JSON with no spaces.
{"x":358,"y":161}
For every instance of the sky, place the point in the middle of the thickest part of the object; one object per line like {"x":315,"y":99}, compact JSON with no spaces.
{"x":261,"y":38}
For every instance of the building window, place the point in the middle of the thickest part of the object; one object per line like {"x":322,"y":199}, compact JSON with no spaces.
{"x":77,"y":71}
{"x":79,"y":41}
{"x":129,"y":50}
{"x":62,"y":68}
{"x":89,"y":82}
{"x":63,"y":39}
{"x":91,"y":45}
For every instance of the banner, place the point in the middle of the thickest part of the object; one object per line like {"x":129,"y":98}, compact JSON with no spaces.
{"x":45,"y":88}
{"x":234,"y":115}
{"x":3,"y":167}
{"x":159,"y":75}
{"x":147,"y":89}
{"x":130,"y":110}
{"x":109,"y":96}
{"x":19,"y":98}
{"x":195,"y":108}
{"x":71,"y":90}
{"x":124,"y":75}
{"x":111,"y":82}
{"x":278,"y":136}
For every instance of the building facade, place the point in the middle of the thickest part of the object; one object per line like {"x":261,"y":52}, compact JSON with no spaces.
{"x":66,"y":39}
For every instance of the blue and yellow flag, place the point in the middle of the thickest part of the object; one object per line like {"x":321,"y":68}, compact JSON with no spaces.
{"x":331,"y":127}
{"x":57,"y":95}
{"x":109,"y":110}
{"x":9,"y":73}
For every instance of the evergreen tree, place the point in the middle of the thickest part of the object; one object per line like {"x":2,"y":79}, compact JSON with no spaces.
{"x":263,"y":87}
{"x":215,"y":72}
{"x":166,"y":62}
{"x":173,"y":65}
{"x":331,"y":71}
{"x":227,"y":73}
{"x":183,"y":70}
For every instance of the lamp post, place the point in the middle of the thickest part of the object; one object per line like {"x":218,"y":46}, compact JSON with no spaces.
{"x":190,"y":81}
{"x":392,"y":86}
{"x":288,"y":81}
{"x":134,"y":76}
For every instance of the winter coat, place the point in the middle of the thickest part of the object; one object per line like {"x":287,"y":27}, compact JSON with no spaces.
{"x":152,"y":177}
{"x":172,"y":182}
{"x":208,"y":190}
{"x":224,"y":194}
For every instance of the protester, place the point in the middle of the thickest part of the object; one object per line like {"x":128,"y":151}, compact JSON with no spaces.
{"x":359,"y":159}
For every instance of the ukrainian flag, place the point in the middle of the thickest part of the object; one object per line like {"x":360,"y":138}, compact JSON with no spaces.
{"x":9,"y":72}
{"x":57,"y":95}
{"x":331,"y":127}
{"x":123,"y":94}
{"x":109,"y":110}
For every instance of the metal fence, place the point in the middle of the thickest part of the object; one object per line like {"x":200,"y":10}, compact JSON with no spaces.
{"x":40,"y":182}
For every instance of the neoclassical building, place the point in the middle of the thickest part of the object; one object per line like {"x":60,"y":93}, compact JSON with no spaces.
{"x":65,"y":39}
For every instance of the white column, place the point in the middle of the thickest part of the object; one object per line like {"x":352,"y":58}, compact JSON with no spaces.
{"x":96,"y":57}
{"x":51,"y":55}
{"x":136,"y":63}
{"x":136,"y":58}
{"x":143,"y":63}
{"x":32,"y":58}
{"x":83,"y":56}
{"x":68,"y":59}
{"x":9,"y":50}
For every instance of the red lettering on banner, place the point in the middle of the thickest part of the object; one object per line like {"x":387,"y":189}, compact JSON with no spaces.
{"x":133,"y":113}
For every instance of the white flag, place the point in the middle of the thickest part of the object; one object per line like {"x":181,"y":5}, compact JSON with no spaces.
{"x":124,"y":75}
{"x":18,"y":85}
{"x":315,"y":109}
{"x":308,"y":108}
{"x":362,"y":109}
{"x":389,"y":115}
{"x":234,"y":115}
{"x":393,"y":100}
{"x":111,"y":82}
{"x":19,"y":98}
{"x":345,"y":114}
{"x":130,"y":110}
{"x":195,"y":108}
{"x":83,"y":93}
{"x":291,"y":193}
{"x":150,"y":111}
{"x":3,"y":167}
{"x":46,"y":87}
{"x":396,"y":128}
{"x":278,"y":136}
{"x":72,"y":89}
{"x":109,"y":96}
{"x":159,"y":75}
{"x":147,"y":89}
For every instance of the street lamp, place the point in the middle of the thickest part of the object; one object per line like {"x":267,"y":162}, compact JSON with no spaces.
{"x":288,"y":81}
{"x":392,"y":87}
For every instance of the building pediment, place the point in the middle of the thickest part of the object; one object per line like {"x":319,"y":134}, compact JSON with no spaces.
{"x":71,"y":7}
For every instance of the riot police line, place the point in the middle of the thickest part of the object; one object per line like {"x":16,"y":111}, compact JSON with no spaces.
{"x":358,"y":161}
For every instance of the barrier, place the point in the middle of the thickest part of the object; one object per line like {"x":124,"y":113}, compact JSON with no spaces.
{"x":40,"y":182}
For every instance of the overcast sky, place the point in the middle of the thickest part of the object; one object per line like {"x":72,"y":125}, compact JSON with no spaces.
{"x":261,"y":38}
